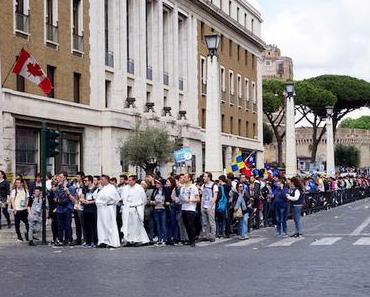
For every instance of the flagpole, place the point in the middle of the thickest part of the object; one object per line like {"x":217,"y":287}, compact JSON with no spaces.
{"x":10,"y":70}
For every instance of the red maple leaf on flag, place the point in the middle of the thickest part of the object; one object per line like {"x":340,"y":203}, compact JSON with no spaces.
{"x":34,"y":69}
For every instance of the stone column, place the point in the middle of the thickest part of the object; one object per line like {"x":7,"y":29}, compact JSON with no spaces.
{"x":228,"y":157}
{"x":330,"y":163}
{"x":291,"y":152}
{"x":213,"y":119}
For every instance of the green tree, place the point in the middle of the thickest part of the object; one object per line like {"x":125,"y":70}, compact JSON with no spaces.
{"x":268,"y":134}
{"x":360,"y":123}
{"x":347,"y":155}
{"x":352,"y":93}
{"x":311,"y":101}
{"x":148,"y":148}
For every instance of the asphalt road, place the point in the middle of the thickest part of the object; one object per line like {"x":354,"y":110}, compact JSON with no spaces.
{"x":331,"y":260}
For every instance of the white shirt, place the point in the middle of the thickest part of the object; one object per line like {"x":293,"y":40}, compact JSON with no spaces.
{"x":187,"y":192}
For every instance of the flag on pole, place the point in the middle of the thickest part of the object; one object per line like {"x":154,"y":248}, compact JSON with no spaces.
{"x":238,"y":163}
{"x":27,"y":67}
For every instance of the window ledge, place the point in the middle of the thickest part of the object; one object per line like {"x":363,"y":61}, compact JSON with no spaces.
{"x":77,"y":52}
{"x":22,"y":34}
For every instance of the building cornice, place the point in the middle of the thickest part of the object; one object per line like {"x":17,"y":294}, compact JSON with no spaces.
{"x":223,"y":17}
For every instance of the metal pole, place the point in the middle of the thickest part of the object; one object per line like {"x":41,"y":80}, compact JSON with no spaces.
{"x":43,"y":177}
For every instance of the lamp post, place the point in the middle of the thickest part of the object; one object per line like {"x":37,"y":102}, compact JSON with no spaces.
{"x":213,"y":147}
{"x":330,"y":163}
{"x":291,"y":150}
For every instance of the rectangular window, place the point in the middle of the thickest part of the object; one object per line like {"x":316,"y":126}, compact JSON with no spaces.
{"x":245,"y":20}
{"x":246,"y":57}
{"x":254,"y":130}
{"x":107,"y":93}
{"x":21,"y":84}
{"x":230,"y":8}
{"x":203,"y":119}
{"x":76,"y":87}
{"x":240,"y":127}
{"x":237,"y":14}
{"x":51,"y":21}
{"x":222,"y":123}
{"x":246,"y":129}
{"x":246,"y":92}
{"x":253,"y":93}
{"x":231,"y":125}
{"x":51,"y":76}
{"x":203,"y":74}
{"x":202,"y":30}
{"x":238,"y":52}
{"x":252,"y":25}
{"x":222,"y":79}
{"x":239,"y":84}
{"x":253,"y":61}
{"x":231,"y":82}
{"x":222,"y":43}
{"x":26,"y":151}
{"x":70,"y":157}
{"x":230,"y":48}
{"x":77,"y":25}
{"x":22,"y":15}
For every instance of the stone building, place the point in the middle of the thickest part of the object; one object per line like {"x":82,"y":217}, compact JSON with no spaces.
{"x":117,"y":63}
{"x":356,"y":137}
{"x":275,"y":65}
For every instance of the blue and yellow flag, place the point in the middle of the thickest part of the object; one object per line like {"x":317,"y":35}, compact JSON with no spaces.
{"x":238,"y":163}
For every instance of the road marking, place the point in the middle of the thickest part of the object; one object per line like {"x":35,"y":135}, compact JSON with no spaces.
{"x":286,"y":242}
{"x":246,"y":242}
{"x":326,"y":241}
{"x":208,"y":243}
{"x":360,"y":228}
{"x":363,"y":241}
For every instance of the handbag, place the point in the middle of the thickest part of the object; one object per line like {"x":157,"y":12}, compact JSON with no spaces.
{"x":238,"y":213}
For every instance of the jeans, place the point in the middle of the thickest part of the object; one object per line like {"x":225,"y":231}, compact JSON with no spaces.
{"x":221,"y":223}
{"x":243,"y":225}
{"x":6,"y":214}
{"x":21,"y":215}
{"x":208,"y":222}
{"x":160,"y":221}
{"x":172,"y":226}
{"x":64,"y":226}
{"x":281,"y":214}
{"x":190,"y":221}
{"x":297,"y":210}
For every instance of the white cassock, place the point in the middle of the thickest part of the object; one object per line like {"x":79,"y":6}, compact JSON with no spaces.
{"x":106,"y":201}
{"x":134,"y":199}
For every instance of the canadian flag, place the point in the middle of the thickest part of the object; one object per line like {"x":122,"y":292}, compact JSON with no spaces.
{"x":27,"y":67}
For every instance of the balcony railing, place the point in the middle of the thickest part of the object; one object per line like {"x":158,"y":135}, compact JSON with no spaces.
{"x":181,"y":84}
{"x":149,"y":72}
{"x":204,"y":88}
{"x":130,"y":66}
{"x":78,"y":42}
{"x":22,"y":22}
{"x":232,"y":99}
{"x":109,"y":59}
{"x":165,"y":78}
{"x":52,"y":33}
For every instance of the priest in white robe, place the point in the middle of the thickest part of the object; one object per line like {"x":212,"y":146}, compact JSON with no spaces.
{"x":134,"y":199}
{"x":106,"y":201}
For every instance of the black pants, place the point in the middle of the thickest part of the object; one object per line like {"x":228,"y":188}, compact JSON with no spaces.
{"x":149,"y":222}
{"x":21,"y":215}
{"x":90,"y":222}
{"x":79,"y":223}
{"x":6,"y":214}
{"x":54,"y":226}
{"x":190,"y":221}
{"x":119,"y":221}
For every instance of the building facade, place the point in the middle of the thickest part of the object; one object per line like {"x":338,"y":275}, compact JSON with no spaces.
{"x":275,"y":65}
{"x":355,"y":137}
{"x":115,"y":64}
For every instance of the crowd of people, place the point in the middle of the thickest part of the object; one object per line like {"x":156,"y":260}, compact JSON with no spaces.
{"x":177,"y":210}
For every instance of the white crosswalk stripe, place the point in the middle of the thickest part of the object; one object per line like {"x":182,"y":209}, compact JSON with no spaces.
{"x":246,"y":242}
{"x":362,"y":241}
{"x":326,"y":241}
{"x":285,"y":242}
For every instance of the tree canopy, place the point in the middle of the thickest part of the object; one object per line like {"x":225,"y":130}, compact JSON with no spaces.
{"x":148,"y":148}
{"x":360,"y":123}
{"x":347,"y":156}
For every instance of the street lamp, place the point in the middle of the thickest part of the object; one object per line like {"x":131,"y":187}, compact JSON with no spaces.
{"x":330,"y":161}
{"x":213,"y":147}
{"x":212,"y":42}
{"x":289,"y":89}
{"x":290,"y":151}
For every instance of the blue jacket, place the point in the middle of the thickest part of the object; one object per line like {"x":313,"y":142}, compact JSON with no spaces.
{"x":64,"y":204}
{"x":280,"y":200}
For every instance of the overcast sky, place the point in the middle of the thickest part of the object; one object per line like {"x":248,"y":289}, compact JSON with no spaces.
{"x":322,"y":36}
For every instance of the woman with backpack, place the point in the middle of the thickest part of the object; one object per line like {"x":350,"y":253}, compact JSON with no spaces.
{"x":222,"y":207}
{"x":241,"y":211}
{"x":19,"y":201}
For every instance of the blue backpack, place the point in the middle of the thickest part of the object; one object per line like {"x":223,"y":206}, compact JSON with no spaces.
{"x":222,"y":203}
